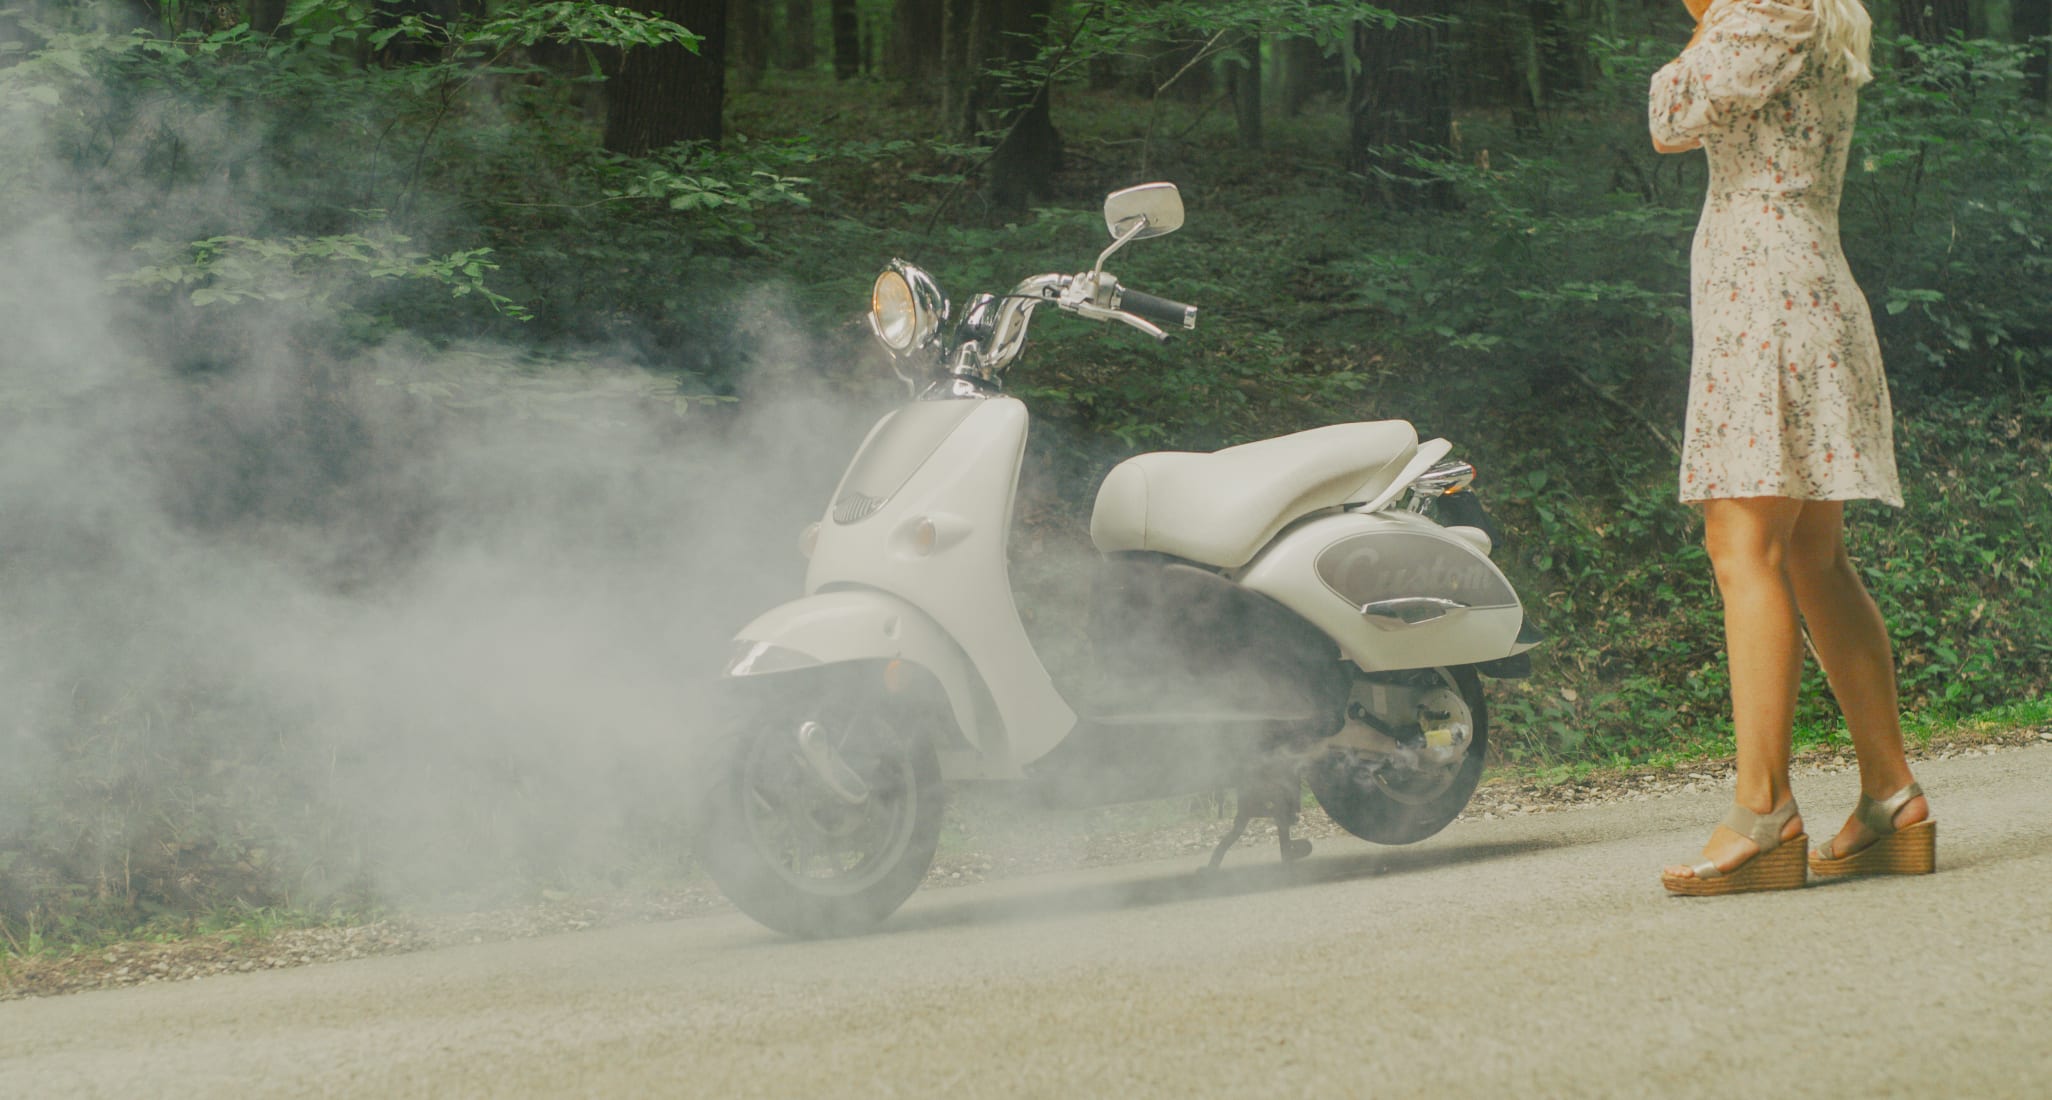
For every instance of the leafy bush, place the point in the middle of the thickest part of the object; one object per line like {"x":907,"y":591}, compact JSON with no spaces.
{"x":1947,"y":210}
{"x":1560,"y":296}
{"x":245,"y":181}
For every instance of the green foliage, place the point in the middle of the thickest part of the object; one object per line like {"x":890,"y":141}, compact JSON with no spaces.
{"x":1542,"y":325}
{"x":1971,"y":618}
{"x":286,"y":269}
{"x":1142,"y":30}
{"x":730,"y":185}
{"x":382,"y":165}
{"x":1948,"y":202}
{"x":1560,"y":292}
{"x":321,"y":24}
{"x":565,"y":389}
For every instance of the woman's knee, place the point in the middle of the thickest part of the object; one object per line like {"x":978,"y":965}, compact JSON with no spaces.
{"x":1739,"y":554}
{"x":1817,"y":554}
{"x":1748,"y":540}
{"x":1821,"y":566}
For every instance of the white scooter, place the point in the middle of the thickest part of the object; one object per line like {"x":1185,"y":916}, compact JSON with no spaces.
{"x":1265,"y":615}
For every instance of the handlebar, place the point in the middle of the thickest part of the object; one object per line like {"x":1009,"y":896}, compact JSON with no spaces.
{"x":992,"y":330}
{"x":1161,"y":311}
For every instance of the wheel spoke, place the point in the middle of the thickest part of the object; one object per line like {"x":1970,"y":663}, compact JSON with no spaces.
{"x":804,"y":852}
{"x":803,"y":828}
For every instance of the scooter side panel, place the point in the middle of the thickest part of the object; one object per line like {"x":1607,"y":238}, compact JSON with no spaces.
{"x":857,"y":625}
{"x":957,"y":574}
{"x":1327,"y":568}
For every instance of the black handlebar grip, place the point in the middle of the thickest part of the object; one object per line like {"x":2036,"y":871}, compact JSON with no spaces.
{"x":1161,"y":311}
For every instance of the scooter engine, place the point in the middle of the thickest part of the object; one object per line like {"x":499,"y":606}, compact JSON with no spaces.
{"x":1410,"y":736}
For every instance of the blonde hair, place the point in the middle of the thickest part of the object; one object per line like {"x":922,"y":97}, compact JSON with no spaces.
{"x":1845,"y":35}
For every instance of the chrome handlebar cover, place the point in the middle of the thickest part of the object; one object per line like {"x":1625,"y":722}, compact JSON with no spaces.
{"x":993,"y":328}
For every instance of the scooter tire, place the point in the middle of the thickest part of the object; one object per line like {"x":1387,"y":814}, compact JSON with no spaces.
{"x":730,"y":850}
{"x":1370,"y":813}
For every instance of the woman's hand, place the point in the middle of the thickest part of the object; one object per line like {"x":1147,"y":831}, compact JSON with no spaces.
{"x":1697,"y":9}
{"x":1660,"y":146}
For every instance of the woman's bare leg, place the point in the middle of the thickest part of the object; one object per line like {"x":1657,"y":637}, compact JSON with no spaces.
{"x":1748,"y":540}
{"x":1852,"y":644}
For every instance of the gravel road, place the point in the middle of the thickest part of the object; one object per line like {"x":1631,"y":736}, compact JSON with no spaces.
{"x":1528,"y":956}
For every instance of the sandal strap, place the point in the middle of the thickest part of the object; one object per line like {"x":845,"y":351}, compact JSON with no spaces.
{"x":1707,"y":870}
{"x":1879,"y":816}
{"x":1764,"y":830}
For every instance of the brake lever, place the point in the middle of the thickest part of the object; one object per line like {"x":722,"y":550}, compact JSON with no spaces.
{"x":1099,"y":313}
{"x":1087,"y":295}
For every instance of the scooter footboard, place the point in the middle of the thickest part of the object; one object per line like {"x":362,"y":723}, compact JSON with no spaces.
{"x":858,"y":625}
{"x":1394,"y":589}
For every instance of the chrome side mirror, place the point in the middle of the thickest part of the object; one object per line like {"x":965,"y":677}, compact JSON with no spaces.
{"x":1143,"y":211}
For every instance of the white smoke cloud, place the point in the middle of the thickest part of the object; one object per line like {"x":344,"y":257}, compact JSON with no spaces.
{"x":403,"y":619}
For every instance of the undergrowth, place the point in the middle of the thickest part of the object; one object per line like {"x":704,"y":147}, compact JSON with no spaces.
{"x":1540,"y":323}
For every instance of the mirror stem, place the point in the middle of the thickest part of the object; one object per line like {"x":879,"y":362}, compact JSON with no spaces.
{"x":1118,"y":242}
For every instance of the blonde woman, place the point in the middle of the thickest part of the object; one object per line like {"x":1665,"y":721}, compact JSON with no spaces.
{"x":1788,"y":418}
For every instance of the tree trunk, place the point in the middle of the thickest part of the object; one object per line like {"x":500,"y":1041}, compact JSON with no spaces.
{"x":912,"y":55}
{"x":1029,"y":151}
{"x":800,"y":50}
{"x":1297,"y":62}
{"x":1246,"y":76}
{"x":748,"y":40}
{"x":265,"y":15}
{"x":1990,"y":19}
{"x":1401,"y":106}
{"x":1559,"y":41}
{"x":660,"y":95}
{"x":847,"y":40}
{"x":968,"y":42}
{"x":954,"y":80}
{"x":2031,"y":20}
{"x":1023,"y":167}
{"x":1502,"y":63}
{"x":1933,"y":21}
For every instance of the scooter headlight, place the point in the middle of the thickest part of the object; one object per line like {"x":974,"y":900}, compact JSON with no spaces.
{"x":905,"y":308}
{"x":892,"y":312}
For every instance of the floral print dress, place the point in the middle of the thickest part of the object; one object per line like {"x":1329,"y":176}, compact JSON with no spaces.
{"x":1786,"y":392}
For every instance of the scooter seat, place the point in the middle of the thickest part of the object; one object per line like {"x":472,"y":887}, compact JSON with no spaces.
{"x":1218,"y":509}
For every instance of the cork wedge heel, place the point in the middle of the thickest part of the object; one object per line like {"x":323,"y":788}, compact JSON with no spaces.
{"x":1910,"y":850}
{"x":1778,"y":865}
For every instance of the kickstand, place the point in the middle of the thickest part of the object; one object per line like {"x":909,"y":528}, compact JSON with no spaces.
{"x":1268,"y":796}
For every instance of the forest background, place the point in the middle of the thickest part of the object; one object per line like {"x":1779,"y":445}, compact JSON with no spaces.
{"x":402,"y":402}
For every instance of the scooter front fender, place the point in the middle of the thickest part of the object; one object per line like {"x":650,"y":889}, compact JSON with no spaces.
{"x":843,"y":625}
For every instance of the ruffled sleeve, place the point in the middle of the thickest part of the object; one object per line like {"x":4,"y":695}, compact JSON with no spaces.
{"x":1749,"y":51}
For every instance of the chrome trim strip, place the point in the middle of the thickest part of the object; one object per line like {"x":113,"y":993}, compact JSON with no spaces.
{"x":1409,"y":610}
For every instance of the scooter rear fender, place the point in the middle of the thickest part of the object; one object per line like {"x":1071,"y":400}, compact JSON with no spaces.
{"x":860,"y":624}
{"x":1353,"y":574}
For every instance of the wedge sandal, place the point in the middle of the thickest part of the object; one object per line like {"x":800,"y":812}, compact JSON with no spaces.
{"x":1910,"y":850}
{"x":1778,"y":865}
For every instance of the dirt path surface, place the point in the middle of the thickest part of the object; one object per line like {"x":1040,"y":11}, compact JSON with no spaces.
{"x":1529,"y":955}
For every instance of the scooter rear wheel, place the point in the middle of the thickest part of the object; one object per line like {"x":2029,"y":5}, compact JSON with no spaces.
{"x":1396,"y":809}
{"x":825,"y":805}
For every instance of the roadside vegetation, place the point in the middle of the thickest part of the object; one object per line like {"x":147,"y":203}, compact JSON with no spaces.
{"x":1520,"y":290}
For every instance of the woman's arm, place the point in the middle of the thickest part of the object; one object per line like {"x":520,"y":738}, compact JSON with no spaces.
{"x":1696,"y":8}
{"x":1743,"y":54}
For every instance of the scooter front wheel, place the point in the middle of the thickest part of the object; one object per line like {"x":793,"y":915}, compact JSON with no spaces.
{"x":1406,"y":800}
{"x":825,"y":807}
